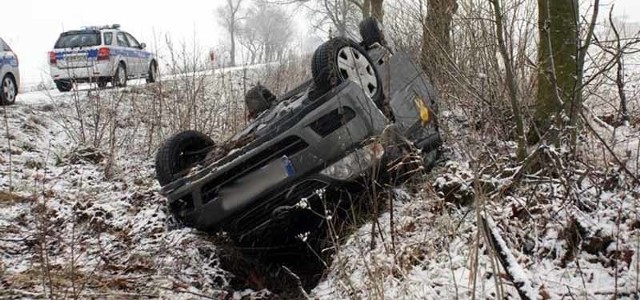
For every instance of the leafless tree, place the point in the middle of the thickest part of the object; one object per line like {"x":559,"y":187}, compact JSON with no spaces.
{"x":266,"y":32}
{"x":436,"y":36}
{"x":229,"y":17}
{"x":249,"y":38}
{"x":341,"y":15}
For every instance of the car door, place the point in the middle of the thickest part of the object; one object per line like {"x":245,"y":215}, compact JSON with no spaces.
{"x":138,"y":54}
{"x":8,"y":61}
{"x":126,"y":54}
{"x":4,"y":67}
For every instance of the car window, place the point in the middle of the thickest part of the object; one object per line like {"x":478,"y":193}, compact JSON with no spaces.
{"x":74,"y":39}
{"x":108,"y":38}
{"x":132,"y":41}
{"x":122,"y":40}
{"x":4,"y":46}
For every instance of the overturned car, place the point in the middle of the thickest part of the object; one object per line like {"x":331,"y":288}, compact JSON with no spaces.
{"x":326,"y":132}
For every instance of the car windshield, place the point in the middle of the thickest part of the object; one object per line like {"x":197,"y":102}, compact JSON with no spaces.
{"x":75,"y":39}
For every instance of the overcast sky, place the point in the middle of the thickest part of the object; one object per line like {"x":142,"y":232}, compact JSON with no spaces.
{"x":31,"y":27}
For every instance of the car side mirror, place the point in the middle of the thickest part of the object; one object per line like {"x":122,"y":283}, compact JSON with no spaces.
{"x":143,"y":45}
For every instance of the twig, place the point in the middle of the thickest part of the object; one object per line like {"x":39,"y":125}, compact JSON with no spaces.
{"x":511,"y":81}
{"x":516,"y":274}
{"x":298,"y":282}
{"x":622,"y":165}
{"x":6,"y":122}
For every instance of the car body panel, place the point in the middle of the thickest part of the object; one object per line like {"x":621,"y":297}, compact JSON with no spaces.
{"x":246,"y":188}
{"x":9,"y":64}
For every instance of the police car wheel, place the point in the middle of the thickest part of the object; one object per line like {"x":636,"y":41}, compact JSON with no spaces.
{"x":102,"y":84}
{"x":63,"y":85}
{"x":120,"y":77}
{"x":8,"y":91}
{"x":152,"y":75}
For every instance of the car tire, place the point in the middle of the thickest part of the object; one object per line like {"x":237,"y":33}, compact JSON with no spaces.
{"x":63,"y":85}
{"x":431,"y":153}
{"x":339,"y":60}
{"x":152,"y":73}
{"x":371,"y":32}
{"x":8,"y":90}
{"x":429,"y":159}
{"x":102,"y":84}
{"x":120,"y":76}
{"x":258,"y":99}
{"x":179,"y":153}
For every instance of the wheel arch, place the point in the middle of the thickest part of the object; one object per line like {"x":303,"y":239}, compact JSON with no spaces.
{"x":13,"y":77}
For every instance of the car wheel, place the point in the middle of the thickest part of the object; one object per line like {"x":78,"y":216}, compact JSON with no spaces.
{"x":339,"y":60}
{"x":429,"y":159}
{"x":102,"y":83}
{"x":120,"y":77}
{"x":9,"y":90}
{"x":152,"y":74}
{"x":431,"y":153}
{"x":64,"y":86}
{"x":371,"y":32}
{"x":258,"y":99}
{"x":179,"y":153}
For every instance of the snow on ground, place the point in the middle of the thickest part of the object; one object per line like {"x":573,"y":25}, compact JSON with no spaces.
{"x":572,"y":238}
{"x":437,"y":250}
{"x":84,"y":217}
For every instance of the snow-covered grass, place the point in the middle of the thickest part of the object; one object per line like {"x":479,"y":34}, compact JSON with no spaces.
{"x":81,"y":214}
{"x":559,"y":246}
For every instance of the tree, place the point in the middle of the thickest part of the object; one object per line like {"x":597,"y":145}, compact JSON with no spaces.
{"x":266,"y":32}
{"x":510,"y":78}
{"x":341,"y":13}
{"x":561,"y":60}
{"x":557,"y":61}
{"x":229,"y":15}
{"x":248,"y":37}
{"x":436,"y":36}
{"x":376,"y":9}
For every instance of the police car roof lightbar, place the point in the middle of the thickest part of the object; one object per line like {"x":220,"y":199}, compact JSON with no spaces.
{"x":114,"y":26}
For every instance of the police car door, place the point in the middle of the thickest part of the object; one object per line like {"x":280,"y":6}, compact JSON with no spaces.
{"x":4,"y":56}
{"x":8,"y":60}
{"x":138,"y":54}
{"x":125,"y":54}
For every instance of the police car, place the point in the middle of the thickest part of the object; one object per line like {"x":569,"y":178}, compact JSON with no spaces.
{"x":100,"y":55}
{"x":9,"y":74}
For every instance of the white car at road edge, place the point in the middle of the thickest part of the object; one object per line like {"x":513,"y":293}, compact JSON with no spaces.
{"x":9,"y":74}
{"x":100,"y":55}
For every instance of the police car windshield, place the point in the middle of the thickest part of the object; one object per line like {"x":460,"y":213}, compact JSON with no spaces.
{"x":74,"y":39}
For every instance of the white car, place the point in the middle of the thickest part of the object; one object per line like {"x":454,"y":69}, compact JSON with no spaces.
{"x":9,"y":74}
{"x":100,"y":55}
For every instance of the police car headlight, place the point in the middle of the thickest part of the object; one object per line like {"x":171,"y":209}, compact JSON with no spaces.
{"x":354,"y":164}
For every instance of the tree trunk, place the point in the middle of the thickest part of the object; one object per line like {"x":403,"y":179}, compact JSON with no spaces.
{"x":510,"y":78}
{"x":558,"y":74}
{"x":233,"y":47}
{"x":436,"y":37}
{"x":366,"y":9}
{"x":376,"y":9}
